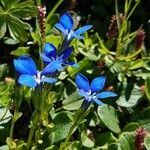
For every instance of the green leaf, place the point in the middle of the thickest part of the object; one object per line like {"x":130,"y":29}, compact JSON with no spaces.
{"x":147,"y":142}
{"x":20,"y":51}
{"x":53,"y":147}
{"x":51,"y":23}
{"x":12,"y":15}
{"x":109,"y":117}
{"x":136,"y":64}
{"x":113,"y":146}
{"x":90,"y":54}
{"x":62,"y":124}
{"x":103,"y":50}
{"x":3,"y":71}
{"x":4,"y":147}
{"x":130,"y":95}
{"x":73,"y":101}
{"x":17,"y":28}
{"x":55,"y":40}
{"x":105,"y":139}
{"x":132,"y":126}
{"x":118,"y":66}
{"x":5,"y":116}
{"x":86,"y":141}
{"x":10,"y":41}
{"x":6,"y":91}
{"x":17,"y":115}
{"x":28,"y":10}
{"x":147,"y":91}
{"x":53,"y":10}
{"x":143,"y":118}
{"x":84,"y":64}
{"x":126,"y":141}
{"x":2,"y":28}
{"x":74,"y":145}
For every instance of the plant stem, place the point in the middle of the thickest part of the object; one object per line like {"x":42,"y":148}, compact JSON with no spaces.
{"x":53,"y":10}
{"x":117,"y":14}
{"x":79,"y":115}
{"x":13,"y":124}
{"x":12,"y":128}
{"x":32,"y":129}
{"x":133,"y":9}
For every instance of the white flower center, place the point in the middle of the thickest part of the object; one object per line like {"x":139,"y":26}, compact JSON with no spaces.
{"x":38,"y":77}
{"x":70,"y":35}
{"x":90,"y":95}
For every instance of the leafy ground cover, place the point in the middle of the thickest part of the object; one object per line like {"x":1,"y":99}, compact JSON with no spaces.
{"x":63,"y":86}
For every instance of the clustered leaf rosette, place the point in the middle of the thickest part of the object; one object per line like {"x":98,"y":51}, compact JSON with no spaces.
{"x":28,"y":73}
{"x":90,"y":91}
{"x":50,"y":55}
{"x":66,"y":24}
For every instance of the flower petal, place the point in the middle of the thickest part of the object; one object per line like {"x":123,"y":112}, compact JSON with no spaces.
{"x":49,"y":80}
{"x":50,"y":50}
{"x":45,"y":58}
{"x":82,"y":29}
{"x":51,"y":68}
{"x":97,"y":84}
{"x":83,"y":93}
{"x":98,"y":101}
{"x":82,"y":82}
{"x":66,"y":21}
{"x":77,"y":36}
{"x":72,"y":64}
{"x":61,"y":28}
{"x":106,"y":94}
{"x":66,"y":53}
{"x":25,"y":65}
{"x":27,"y":80}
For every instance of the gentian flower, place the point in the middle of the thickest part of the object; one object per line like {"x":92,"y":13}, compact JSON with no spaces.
{"x":65,"y":25}
{"x":49,"y":55}
{"x":90,"y":91}
{"x":29,"y":75}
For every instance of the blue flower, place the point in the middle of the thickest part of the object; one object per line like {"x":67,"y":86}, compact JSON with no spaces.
{"x":49,"y":55}
{"x":90,"y":90}
{"x":65,"y":25}
{"x":29,"y":75}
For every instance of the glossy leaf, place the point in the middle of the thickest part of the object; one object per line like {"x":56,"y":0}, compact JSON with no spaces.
{"x":147,"y":91}
{"x":109,"y":118}
{"x":105,"y":139}
{"x":143,"y":118}
{"x":147,"y":142}
{"x":132,"y":126}
{"x":73,"y":101}
{"x":62,"y":124}
{"x":126,"y":141}
{"x":136,"y":64}
{"x":86,"y":141}
{"x":85,"y":63}
{"x":12,"y":15}
{"x":130,"y":96}
{"x":20,"y":51}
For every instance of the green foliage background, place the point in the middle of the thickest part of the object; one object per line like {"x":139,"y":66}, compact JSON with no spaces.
{"x":108,"y":127}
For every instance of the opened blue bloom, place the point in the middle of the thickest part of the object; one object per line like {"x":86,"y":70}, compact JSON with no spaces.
{"x":65,"y":25}
{"x":50,"y":55}
{"x":90,"y":91}
{"x":29,"y":75}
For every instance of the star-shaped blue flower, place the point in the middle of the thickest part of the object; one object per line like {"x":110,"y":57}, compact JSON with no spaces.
{"x":50,"y":55}
{"x":29,"y":75}
{"x":90,"y":91}
{"x":65,"y":25}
